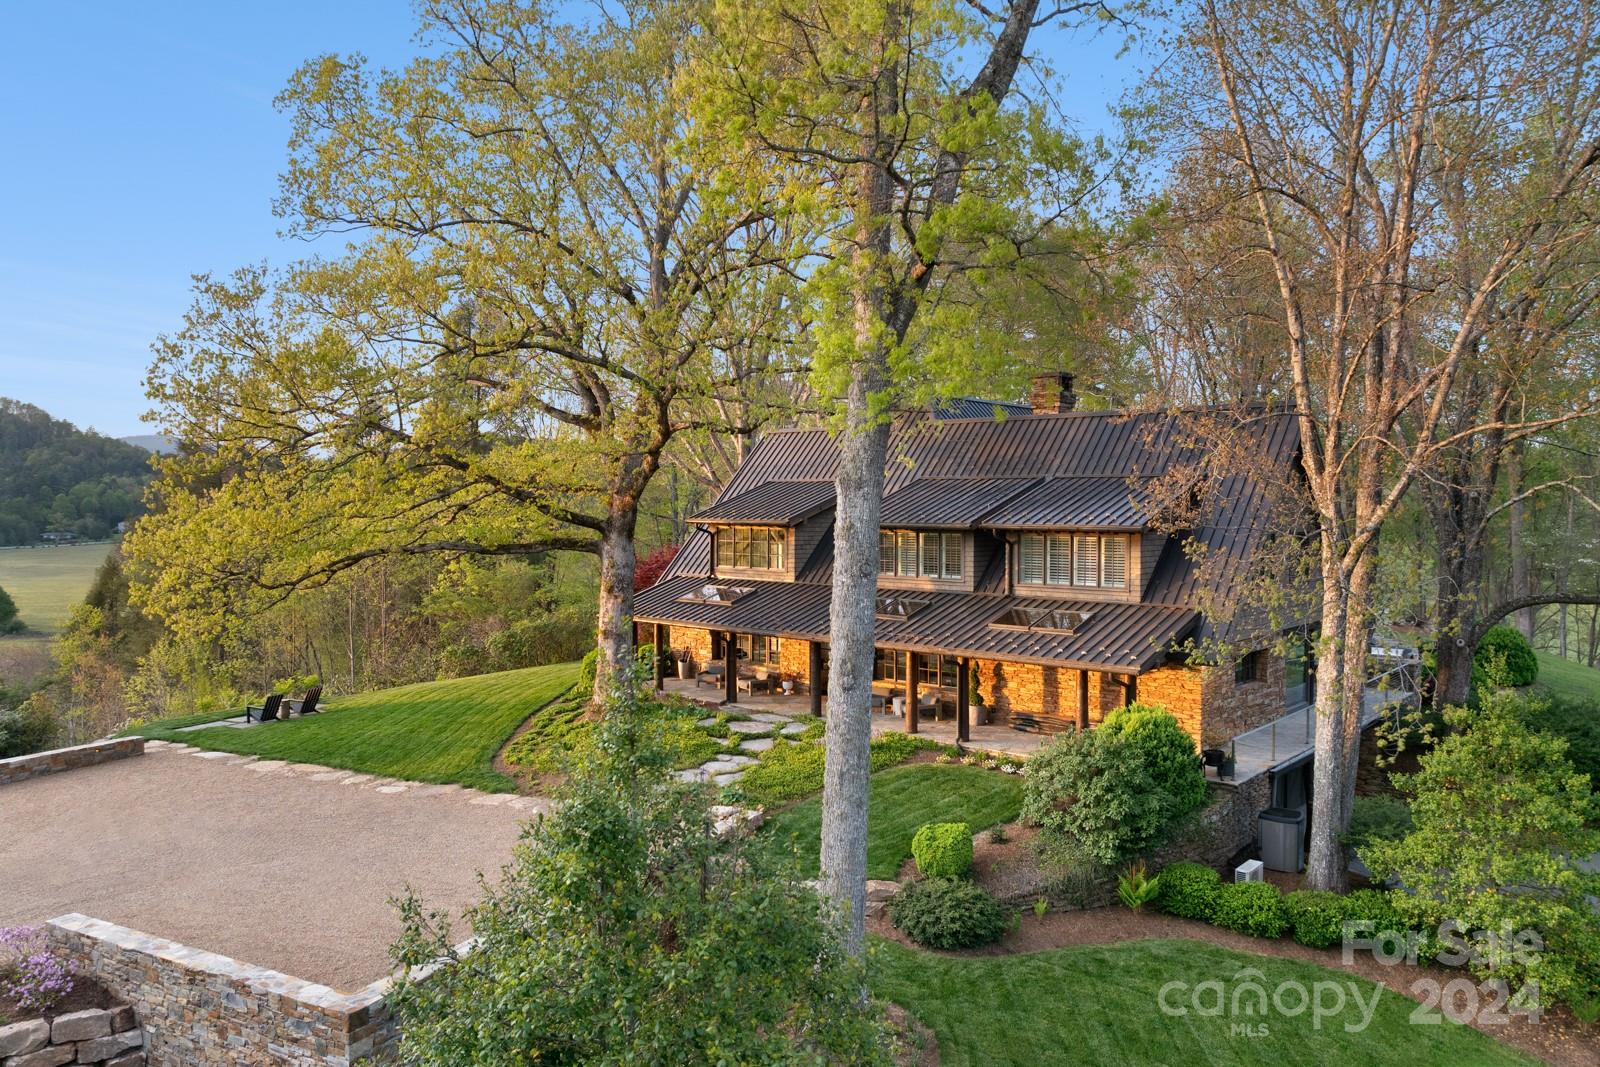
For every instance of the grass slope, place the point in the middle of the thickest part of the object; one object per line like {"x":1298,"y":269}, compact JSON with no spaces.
{"x":1098,"y":1004}
{"x":1563,"y":677}
{"x":902,"y":799}
{"x":430,"y":732}
{"x":47,"y":583}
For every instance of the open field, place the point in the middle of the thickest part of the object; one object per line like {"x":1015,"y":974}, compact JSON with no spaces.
{"x":1100,"y":1004}
{"x":903,"y":798}
{"x":1568,"y":677}
{"x":47,"y":582}
{"x":429,"y":732}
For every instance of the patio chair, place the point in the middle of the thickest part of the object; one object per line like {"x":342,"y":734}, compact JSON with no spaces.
{"x":928,"y":706}
{"x":753,"y":682}
{"x":711,"y":676}
{"x":268,"y":709}
{"x":306,"y":704}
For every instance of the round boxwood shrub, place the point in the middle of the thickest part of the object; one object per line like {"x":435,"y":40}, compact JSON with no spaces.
{"x":943,"y":849}
{"x":947,"y":913}
{"x":1504,"y":657}
{"x":1254,"y":908}
{"x":1317,"y":917}
{"x":1189,"y":890}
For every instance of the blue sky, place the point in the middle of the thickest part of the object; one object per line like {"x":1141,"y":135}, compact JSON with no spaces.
{"x":140,"y":147}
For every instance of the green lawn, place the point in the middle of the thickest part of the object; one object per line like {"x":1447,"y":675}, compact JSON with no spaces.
{"x":47,"y":583}
{"x":1099,"y":1004}
{"x":903,"y":798}
{"x":430,"y":732}
{"x":1566,"y":677}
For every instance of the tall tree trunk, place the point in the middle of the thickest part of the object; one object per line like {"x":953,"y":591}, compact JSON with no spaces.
{"x":1516,"y":545}
{"x":1325,"y":862}
{"x":616,"y":597}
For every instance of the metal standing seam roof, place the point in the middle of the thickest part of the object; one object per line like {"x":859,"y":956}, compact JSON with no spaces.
{"x":949,"y":502}
{"x":1079,"y":503}
{"x":1117,"y":636}
{"x":781,"y":502}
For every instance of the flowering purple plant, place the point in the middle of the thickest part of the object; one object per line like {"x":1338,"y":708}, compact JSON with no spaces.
{"x":30,"y":972}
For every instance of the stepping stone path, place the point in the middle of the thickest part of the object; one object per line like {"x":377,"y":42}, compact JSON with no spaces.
{"x":752,"y":727}
{"x":709,"y":720}
{"x":767,"y":716}
{"x":756,"y":744}
{"x":794,"y":729}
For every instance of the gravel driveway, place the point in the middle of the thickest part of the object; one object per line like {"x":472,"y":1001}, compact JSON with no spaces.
{"x":287,"y":866}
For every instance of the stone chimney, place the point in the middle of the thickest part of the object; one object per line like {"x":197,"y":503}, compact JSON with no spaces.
{"x":1052,"y":394}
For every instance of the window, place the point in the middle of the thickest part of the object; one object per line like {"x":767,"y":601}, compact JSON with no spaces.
{"x":1091,"y":561}
{"x":913,"y":554}
{"x":753,"y":649}
{"x":760,"y":548}
{"x":1047,"y":619}
{"x":931,"y":670}
{"x":1250,"y":667}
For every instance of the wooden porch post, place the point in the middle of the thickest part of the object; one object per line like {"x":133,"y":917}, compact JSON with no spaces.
{"x":660,"y":665}
{"x":730,"y":669}
{"x":1083,"y":700}
{"x":815,"y":673}
{"x":963,"y":705}
{"x":911,"y":692}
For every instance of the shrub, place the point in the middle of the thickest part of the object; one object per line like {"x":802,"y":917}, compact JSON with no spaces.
{"x":9,"y":623}
{"x":1254,"y":908}
{"x":31,"y":973}
{"x":1317,"y":917}
{"x":1135,"y":887}
{"x":1501,"y":822}
{"x":1107,"y":795}
{"x":946,"y":913}
{"x":1575,"y":721}
{"x":1504,"y":658}
{"x":617,"y":895}
{"x":1189,"y":891}
{"x":588,"y":667}
{"x":26,"y":729}
{"x":1380,"y":818}
{"x":943,"y":849}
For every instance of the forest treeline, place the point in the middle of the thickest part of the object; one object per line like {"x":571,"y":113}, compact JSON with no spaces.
{"x":56,"y":477}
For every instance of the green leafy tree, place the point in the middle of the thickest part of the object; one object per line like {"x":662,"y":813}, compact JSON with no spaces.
{"x":9,"y":622}
{"x":550,"y":277}
{"x":1501,"y":825}
{"x":626,"y":932}
{"x":899,"y":128}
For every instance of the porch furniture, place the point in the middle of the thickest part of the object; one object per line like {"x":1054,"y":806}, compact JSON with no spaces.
{"x":307,"y":704}
{"x":880,"y":702}
{"x":711,"y":676}
{"x":756,"y":681}
{"x":266,"y":711}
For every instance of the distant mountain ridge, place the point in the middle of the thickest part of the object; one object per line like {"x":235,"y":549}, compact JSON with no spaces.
{"x":57,"y":479}
{"x":159,"y":443}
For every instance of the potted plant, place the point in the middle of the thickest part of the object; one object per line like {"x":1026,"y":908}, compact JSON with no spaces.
{"x":685,"y":664}
{"x":980,"y":710}
{"x":1227,"y":766}
{"x":788,"y":687}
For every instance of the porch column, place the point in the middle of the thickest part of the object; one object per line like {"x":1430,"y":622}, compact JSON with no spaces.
{"x":730,"y":669}
{"x":1083,"y":700}
{"x":815,"y":675}
{"x":963,"y":704}
{"x":911,"y":692}
{"x":660,"y":665}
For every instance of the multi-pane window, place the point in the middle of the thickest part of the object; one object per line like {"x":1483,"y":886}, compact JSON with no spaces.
{"x":760,"y":548}
{"x":914,"y":554}
{"x":753,"y":648}
{"x":931,"y":670}
{"x":1094,"y":561}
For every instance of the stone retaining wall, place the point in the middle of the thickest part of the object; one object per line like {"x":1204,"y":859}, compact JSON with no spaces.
{"x":21,"y":768}
{"x":200,"y":1009}
{"x":109,"y":1037}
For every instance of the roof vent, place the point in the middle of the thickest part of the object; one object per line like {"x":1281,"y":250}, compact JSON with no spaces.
{"x":715,"y":594}
{"x":1047,"y":620}
{"x":1052,"y":394}
{"x":895,"y":606}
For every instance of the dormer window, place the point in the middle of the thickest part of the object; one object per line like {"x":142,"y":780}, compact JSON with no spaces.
{"x":752,"y":548}
{"x":1093,"y":561}
{"x":919,"y":554}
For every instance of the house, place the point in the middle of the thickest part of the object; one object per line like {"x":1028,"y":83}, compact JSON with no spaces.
{"x":1020,"y":553}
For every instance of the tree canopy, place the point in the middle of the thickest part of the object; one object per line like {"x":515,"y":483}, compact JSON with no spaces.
{"x":54,"y":476}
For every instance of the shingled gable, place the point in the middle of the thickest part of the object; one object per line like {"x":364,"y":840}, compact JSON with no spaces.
{"x":1082,"y":470}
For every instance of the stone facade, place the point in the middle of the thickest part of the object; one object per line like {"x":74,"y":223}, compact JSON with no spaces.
{"x":1224,"y":828}
{"x":20,"y":768}
{"x":1209,"y":704}
{"x":109,"y":1037}
{"x":199,"y":1008}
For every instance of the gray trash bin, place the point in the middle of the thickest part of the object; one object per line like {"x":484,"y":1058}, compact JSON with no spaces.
{"x":1282,"y":832}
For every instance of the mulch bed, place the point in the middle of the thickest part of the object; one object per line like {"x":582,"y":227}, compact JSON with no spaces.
{"x":1557,"y":1039}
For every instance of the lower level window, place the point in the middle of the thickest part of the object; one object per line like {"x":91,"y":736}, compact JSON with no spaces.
{"x":932,"y":670}
{"x":753,"y":648}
